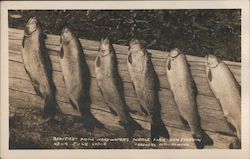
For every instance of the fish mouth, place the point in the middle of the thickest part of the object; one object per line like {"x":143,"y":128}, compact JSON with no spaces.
{"x":31,"y":26}
{"x":134,"y":42}
{"x":104,"y":47}
{"x":135,"y":46}
{"x":104,"y":44}
{"x":212,"y":61}
{"x":174,"y":53}
{"x":65,"y":30}
{"x":66,"y":35}
{"x":33,"y":20}
{"x":105,"y":41}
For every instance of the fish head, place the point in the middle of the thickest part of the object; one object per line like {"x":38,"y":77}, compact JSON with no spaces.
{"x":105,"y":47}
{"x":136,"y":48}
{"x":137,"y":55}
{"x":66,"y":35}
{"x":211,"y":60}
{"x":31,"y":26}
{"x":174,"y":53}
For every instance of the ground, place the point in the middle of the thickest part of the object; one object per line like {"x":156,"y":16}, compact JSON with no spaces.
{"x":27,"y":133}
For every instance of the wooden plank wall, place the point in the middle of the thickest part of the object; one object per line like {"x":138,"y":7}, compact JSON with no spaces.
{"x":212,"y":119}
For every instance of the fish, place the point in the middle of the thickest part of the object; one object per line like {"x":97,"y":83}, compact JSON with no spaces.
{"x":77,"y":77}
{"x":38,"y":66}
{"x":227,"y":91}
{"x":184,"y":91}
{"x":110,"y":84}
{"x":146,"y":85}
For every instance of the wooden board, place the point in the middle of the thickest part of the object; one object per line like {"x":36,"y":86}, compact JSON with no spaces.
{"x":212,"y":119}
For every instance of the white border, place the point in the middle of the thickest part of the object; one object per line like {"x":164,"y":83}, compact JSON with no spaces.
{"x":192,"y":154}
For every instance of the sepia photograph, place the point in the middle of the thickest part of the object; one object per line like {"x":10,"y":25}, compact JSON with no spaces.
{"x":126,"y":78}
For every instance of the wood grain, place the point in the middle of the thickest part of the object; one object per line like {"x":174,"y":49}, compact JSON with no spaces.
{"x":212,"y":119}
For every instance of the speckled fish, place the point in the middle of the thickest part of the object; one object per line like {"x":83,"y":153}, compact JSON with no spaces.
{"x":76,"y":75}
{"x":146,"y":85}
{"x":38,"y":66}
{"x":184,"y":91}
{"x":227,"y":90}
{"x":110,"y":85}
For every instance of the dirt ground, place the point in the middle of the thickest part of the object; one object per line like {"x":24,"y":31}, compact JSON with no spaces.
{"x":68,"y":133}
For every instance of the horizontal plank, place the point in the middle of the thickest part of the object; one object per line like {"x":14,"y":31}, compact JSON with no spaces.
{"x":210,"y":111}
{"x":198,"y":74}
{"x":17,"y":71}
{"x":123,"y":53}
{"x":53,"y":40}
{"x":22,"y":100}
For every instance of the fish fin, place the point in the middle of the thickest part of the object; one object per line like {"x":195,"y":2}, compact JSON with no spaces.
{"x":158,"y":129}
{"x":130,"y":58}
{"x":131,"y":110}
{"x":73,"y":104}
{"x":236,"y":144}
{"x":209,"y":75}
{"x":194,"y":88}
{"x":230,"y":126}
{"x":130,"y":126}
{"x":113,"y":111}
{"x":63,"y":80}
{"x":168,"y":63}
{"x":36,"y":88}
{"x":101,"y":91}
{"x":61,"y":53}
{"x":44,"y":34}
{"x":185,"y":123}
{"x":98,"y":61}
{"x":34,"y":83}
{"x":143,"y":110}
{"x":90,"y":122}
{"x":28,"y":73}
{"x":202,"y":139}
{"x":23,"y":41}
{"x":150,"y":54}
{"x":239,"y":87}
{"x":133,"y":86}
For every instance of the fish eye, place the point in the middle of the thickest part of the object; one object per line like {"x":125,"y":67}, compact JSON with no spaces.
{"x":66,"y":36}
{"x":31,"y":26}
{"x":212,"y":60}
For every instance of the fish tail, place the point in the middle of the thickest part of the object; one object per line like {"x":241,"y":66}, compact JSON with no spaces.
{"x":50,"y":107}
{"x":130,"y":127}
{"x":90,"y":122}
{"x":158,"y":129}
{"x":202,"y":139}
{"x":236,"y":144}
